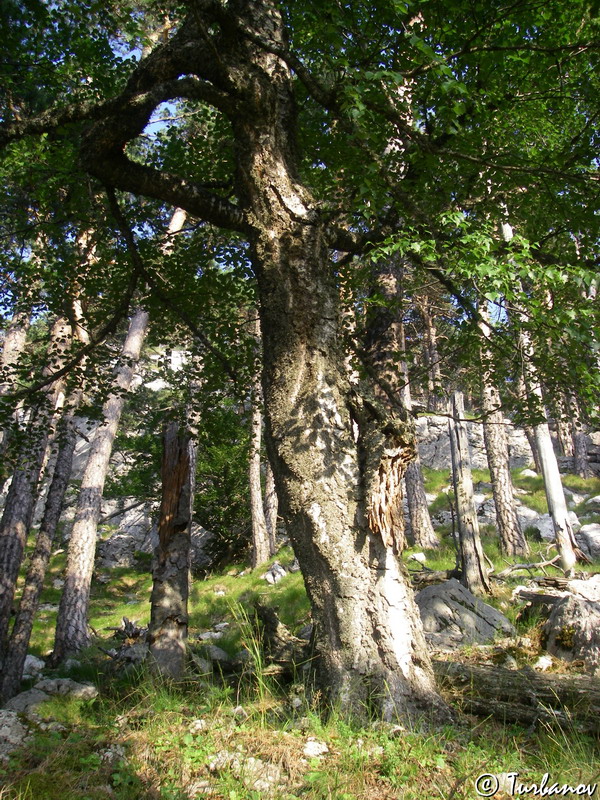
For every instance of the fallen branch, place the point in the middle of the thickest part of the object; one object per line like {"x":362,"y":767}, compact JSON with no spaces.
{"x":539,"y":565}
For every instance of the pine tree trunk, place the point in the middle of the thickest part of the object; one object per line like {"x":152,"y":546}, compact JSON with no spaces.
{"x":34,"y":581}
{"x":557,"y":506}
{"x":12,"y":347}
{"x":22,"y":493}
{"x":167,"y":634}
{"x":271,"y":506}
{"x":496,"y":445}
{"x":432,"y":358}
{"x":581,"y":462}
{"x":474,"y":574}
{"x":71,"y":627}
{"x":261,"y":549}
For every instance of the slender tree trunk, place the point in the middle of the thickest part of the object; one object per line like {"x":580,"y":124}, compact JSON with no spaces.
{"x":474,"y":574}
{"x":261,"y":549}
{"x":34,"y":581}
{"x":418,"y":510}
{"x":12,"y":347}
{"x":496,"y":444}
{"x":271,"y":506}
{"x":581,"y":462}
{"x":71,"y":627}
{"x":167,"y":633}
{"x":432,"y":357}
{"x":557,"y":506}
{"x":20,"y":501}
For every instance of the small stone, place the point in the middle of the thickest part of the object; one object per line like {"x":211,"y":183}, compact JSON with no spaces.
{"x":510,"y":663}
{"x":275,"y":573}
{"x":296,"y":702}
{"x":421,"y":558}
{"x":198,"y":725}
{"x":221,"y":626}
{"x":67,"y":686}
{"x":33,"y":666}
{"x":217,"y":654}
{"x":528,"y":473}
{"x":239,"y":712}
{"x":209,"y":635}
{"x":543,"y":663}
{"x":314,"y":748}
{"x":58,"y":583}
{"x":27,"y":702}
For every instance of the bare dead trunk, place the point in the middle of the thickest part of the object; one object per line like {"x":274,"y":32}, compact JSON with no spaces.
{"x":71,"y":627}
{"x":22,"y":493}
{"x":167,"y":634}
{"x":474,"y":573}
{"x":557,"y":506}
{"x":34,"y":581}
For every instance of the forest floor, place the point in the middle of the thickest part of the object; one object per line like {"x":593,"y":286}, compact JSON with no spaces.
{"x":247,"y":735}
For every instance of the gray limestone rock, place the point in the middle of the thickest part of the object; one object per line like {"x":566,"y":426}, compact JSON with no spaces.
{"x":453,"y":617}
{"x":573,"y":631}
{"x":26,"y":702}
{"x":588,"y":539}
{"x":13,"y":734}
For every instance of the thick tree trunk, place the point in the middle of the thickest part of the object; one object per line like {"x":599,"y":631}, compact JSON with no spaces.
{"x":71,"y":627}
{"x":167,"y":634}
{"x":261,"y":549}
{"x":34,"y":581}
{"x":474,"y":574}
{"x":20,"y":501}
{"x":422,"y":531}
{"x":581,"y":462}
{"x":368,"y":635}
{"x":496,"y":445}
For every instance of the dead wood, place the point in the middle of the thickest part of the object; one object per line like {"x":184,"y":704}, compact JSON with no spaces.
{"x":522,"y":696}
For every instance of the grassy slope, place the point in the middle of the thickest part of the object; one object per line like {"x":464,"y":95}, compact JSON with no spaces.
{"x":141,"y":739}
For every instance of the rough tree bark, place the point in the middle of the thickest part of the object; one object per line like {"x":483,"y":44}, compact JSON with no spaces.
{"x":271,"y":506}
{"x":261,"y":545}
{"x":474,"y":574}
{"x":496,"y":445}
{"x":167,"y":633}
{"x":435,"y":401}
{"x":71,"y":626}
{"x":22,"y":493}
{"x":15,"y":338}
{"x":34,"y":580}
{"x":368,"y":636}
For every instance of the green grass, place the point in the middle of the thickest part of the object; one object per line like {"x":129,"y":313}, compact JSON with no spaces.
{"x":160,"y":750}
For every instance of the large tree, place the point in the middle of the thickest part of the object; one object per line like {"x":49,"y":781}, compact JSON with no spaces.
{"x":296,"y":106}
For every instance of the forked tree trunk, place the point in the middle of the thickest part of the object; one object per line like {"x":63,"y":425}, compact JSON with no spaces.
{"x":34,"y":581}
{"x":369,"y":640}
{"x":474,"y":573}
{"x":22,"y":493}
{"x":335,"y":488}
{"x":72,"y":626}
{"x":496,"y":445}
{"x":167,"y":634}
